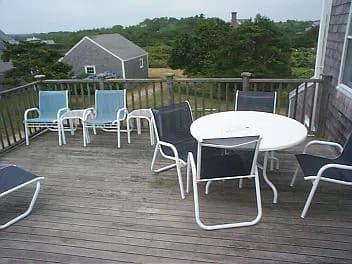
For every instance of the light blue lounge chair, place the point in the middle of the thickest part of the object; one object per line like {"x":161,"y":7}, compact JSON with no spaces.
{"x":52,"y":104}
{"x":110,"y":110}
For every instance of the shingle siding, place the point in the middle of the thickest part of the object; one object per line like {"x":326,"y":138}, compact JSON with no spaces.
{"x":87,"y":53}
{"x":133,"y":69}
{"x":339,"y":118}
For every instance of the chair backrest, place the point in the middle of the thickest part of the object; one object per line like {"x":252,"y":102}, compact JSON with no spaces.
{"x":227,"y":157}
{"x":346,"y":154}
{"x":51,"y":101}
{"x":108,"y":102}
{"x":172,"y":123}
{"x":255,"y":101}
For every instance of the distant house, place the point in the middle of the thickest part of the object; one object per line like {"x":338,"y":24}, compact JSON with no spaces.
{"x":4,"y":66}
{"x":108,"y":53}
{"x":333,"y":114}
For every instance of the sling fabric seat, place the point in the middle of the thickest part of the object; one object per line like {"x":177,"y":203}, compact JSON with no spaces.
{"x":316,"y":168}
{"x":13,"y":178}
{"x":255,"y":101}
{"x":110,"y":109}
{"x":225,"y":159}
{"x":52,"y":104}
{"x":174,"y":140}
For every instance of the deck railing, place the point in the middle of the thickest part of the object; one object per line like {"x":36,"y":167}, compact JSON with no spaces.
{"x":206,"y":95}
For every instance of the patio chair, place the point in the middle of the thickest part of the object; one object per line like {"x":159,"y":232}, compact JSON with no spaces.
{"x":13,"y":178}
{"x":225,"y":159}
{"x":255,"y":101}
{"x":317,"y":168}
{"x":173,"y":137}
{"x":110,"y":110}
{"x":261,"y":102}
{"x":52,"y":104}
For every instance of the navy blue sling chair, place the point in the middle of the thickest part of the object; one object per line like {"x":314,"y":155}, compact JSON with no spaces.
{"x":221,"y":159}
{"x":174,"y":140}
{"x":255,"y":101}
{"x":316,"y":168}
{"x":13,"y":178}
{"x":258,"y":101}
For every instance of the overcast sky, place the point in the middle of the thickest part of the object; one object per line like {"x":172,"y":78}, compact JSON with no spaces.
{"x":28,"y":16}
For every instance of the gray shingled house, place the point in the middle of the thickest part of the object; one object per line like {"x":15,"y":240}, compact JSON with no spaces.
{"x":337,"y":63}
{"x":108,"y":53}
{"x":332,"y":111}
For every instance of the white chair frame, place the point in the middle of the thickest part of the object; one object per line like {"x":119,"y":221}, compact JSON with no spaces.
{"x":53,"y":126}
{"x":315,"y":142}
{"x":31,"y":205}
{"x":315,"y":179}
{"x":191,"y":167}
{"x":178,"y":163}
{"x":115,"y":126}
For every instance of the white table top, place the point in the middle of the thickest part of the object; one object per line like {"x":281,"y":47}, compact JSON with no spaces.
{"x":277,"y":131}
{"x":140,"y":113}
{"x":77,"y":113}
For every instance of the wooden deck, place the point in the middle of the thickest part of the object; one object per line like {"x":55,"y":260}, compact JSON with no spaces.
{"x":101,"y":204}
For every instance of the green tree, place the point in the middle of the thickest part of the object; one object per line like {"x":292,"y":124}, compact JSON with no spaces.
{"x":215,"y":49}
{"x":196,"y":52}
{"x":262,"y":49}
{"x":30,"y":59}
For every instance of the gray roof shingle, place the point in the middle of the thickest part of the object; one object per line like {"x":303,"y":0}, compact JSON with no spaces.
{"x":119,"y":45}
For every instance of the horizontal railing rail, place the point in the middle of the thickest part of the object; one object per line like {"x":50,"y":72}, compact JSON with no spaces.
{"x":206,"y":95}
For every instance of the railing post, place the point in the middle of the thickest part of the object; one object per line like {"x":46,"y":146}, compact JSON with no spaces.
{"x":101,"y":84}
{"x":323,"y":105}
{"x":170,"y":86}
{"x":245,"y":80}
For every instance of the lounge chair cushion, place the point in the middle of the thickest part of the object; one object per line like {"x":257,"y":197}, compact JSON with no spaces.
{"x":12,"y":176}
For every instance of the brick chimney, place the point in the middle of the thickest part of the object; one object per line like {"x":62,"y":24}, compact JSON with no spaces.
{"x":234,"y":22}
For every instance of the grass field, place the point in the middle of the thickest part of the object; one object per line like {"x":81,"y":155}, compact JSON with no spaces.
{"x":161,"y":72}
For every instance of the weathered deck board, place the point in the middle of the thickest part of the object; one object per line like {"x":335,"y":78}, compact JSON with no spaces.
{"x":101,"y":204}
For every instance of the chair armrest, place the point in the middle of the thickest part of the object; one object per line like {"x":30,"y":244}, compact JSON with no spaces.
{"x":119,"y":112}
{"x":62,"y":111}
{"x":328,"y":166}
{"x":326,"y":143}
{"x":87,"y":112}
{"x":173,"y":148}
{"x":30,"y":110}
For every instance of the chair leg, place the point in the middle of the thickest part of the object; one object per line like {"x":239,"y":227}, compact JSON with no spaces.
{"x":240,"y":184}
{"x":59,"y":132}
{"x":151,"y":132}
{"x":294,"y":177}
{"x":26,"y":133}
{"x":84,"y":130}
{"x":207,"y":187}
{"x":188,"y":176}
{"x":118,"y":135}
{"x":179,"y":175}
{"x":27,"y":212}
{"x":154,"y":156}
{"x":128,"y":131}
{"x":310,"y":197}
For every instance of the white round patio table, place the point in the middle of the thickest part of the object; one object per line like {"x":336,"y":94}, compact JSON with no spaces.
{"x":277,"y":131}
